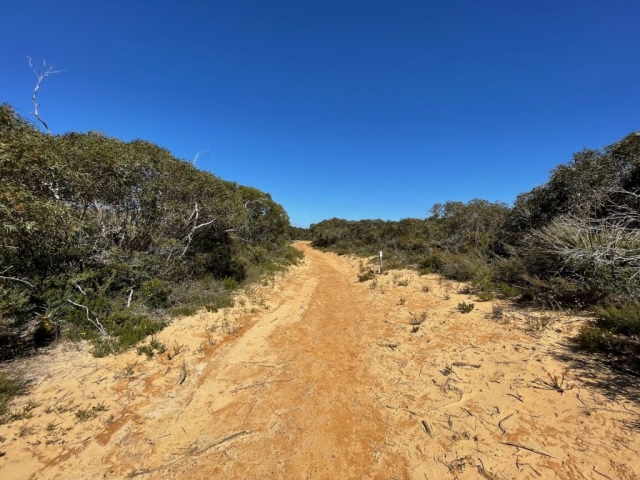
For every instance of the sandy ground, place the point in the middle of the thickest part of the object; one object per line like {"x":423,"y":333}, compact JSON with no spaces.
{"x":317,"y":375}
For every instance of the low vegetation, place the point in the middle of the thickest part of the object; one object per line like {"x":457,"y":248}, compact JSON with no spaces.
{"x":573,"y":242}
{"x":106,"y":240}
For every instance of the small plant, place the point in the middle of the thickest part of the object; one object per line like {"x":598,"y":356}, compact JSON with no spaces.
{"x":415,"y":328}
{"x":508,"y":291}
{"x":399,"y":280}
{"x":419,"y":320}
{"x":497,"y":312}
{"x":226,"y":301}
{"x":51,"y":426}
{"x":126,"y":372}
{"x":25,"y":430}
{"x":145,"y":350}
{"x":402,"y":301}
{"x":230,"y":284}
{"x":373,"y":285}
{"x":156,"y":293}
{"x":158,"y":345}
{"x":558,"y":383}
{"x":154,"y":346}
{"x":84,"y":414}
{"x":485,"y":297}
{"x":425,"y":288}
{"x":183,"y":311}
{"x":30,"y":405}
{"x":465,"y":307}
{"x":366,"y":275}
{"x":536,"y":325}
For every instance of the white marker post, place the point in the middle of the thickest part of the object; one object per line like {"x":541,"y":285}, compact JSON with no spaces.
{"x":380,"y":262}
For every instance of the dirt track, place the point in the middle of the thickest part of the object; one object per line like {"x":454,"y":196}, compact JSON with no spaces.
{"x":320,"y":376}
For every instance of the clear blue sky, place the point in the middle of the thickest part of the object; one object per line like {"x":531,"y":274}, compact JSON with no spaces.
{"x":354,"y":109}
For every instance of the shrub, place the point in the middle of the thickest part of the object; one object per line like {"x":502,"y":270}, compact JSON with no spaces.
{"x":485,"y":297}
{"x":156,"y":293}
{"x":508,"y":291}
{"x":464,"y":307}
{"x":230,"y":284}
{"x":127,"y":329}
{"x":366,"y":275}
{"x":622,"y":321}
{"x":219,"y":302}
{"x":184,"y":311}
{"x":593,"y":338}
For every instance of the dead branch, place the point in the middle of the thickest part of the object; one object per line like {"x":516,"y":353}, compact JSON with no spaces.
{"x":500,"y":423}
{"x":40,"y":76}
{"x":130,"y":297}
{"x":16,"y":279}
{"x":95,"y":322}
{"x":257,"y":384}
{"x":427,"y":428}
{"x":527,"y":447}
{"x":183,"y":373}
{"x":193,"y":218}
{"x":193,"y":451}
{"x":198,"y":154}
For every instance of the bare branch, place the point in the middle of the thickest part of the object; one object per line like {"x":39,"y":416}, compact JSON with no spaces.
{"x":40,"y":76}
{"x":193,"y":218}
{"x":95,"y":322}
{"x":204,"y":152}
{"x":15,"y":279}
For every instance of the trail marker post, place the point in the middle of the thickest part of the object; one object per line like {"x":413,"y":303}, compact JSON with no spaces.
{"x":380,"y":262}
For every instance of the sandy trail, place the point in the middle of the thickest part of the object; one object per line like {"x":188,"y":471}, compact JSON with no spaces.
{"x":321,"y":376}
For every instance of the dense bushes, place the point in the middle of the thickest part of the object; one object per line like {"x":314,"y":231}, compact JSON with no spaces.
{"x":97,"y":235}
{"x":574,"y":241}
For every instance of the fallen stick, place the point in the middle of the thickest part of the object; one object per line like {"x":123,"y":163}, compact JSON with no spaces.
{"x":500,"y":423}
{"x":183,"y":373}
{"x":193,"y":451}
{"x":237,"y":389}
{"x":527,"y":447}
{"x":427,"y":428}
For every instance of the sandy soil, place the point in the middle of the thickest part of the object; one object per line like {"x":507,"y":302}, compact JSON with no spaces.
{"x":317,"y":375}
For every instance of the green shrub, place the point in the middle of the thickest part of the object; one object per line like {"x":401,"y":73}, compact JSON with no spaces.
{"x":464,"y":307}
{"x":184,"y":311}
{"x":622,"y":321}
{"x":593,"y":338}
{"x":126,"y":329}
{"x":219,"y":302}
{"x":508,"y":291}
{"x":154,"y":346}
{"x":485,"y":297}
{"x":366,"y":275}
{"x":230,"y":284}
{"x":156,"y":293}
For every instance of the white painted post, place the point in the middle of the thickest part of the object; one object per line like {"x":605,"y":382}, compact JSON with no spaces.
{"x":380,"y":262}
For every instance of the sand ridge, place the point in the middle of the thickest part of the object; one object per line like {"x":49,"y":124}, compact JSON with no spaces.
{"x":317,"y":375}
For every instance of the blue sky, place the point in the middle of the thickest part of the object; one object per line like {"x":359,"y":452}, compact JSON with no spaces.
{"x":352,"y":109}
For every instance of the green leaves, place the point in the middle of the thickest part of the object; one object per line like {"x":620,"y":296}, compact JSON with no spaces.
{"x":88,"y":217}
